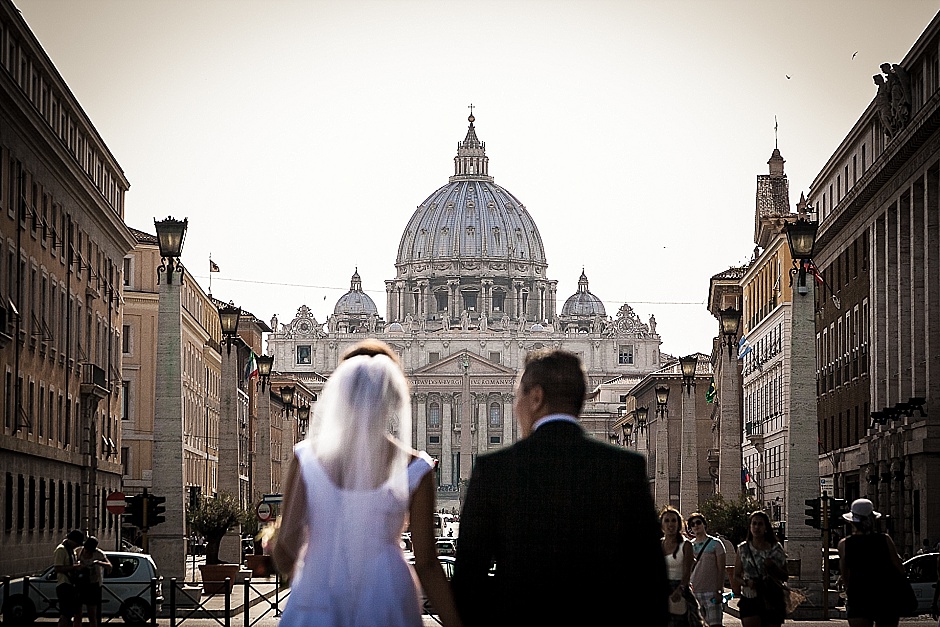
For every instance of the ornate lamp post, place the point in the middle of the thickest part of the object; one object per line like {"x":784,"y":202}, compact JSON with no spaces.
{"x":303,"y":419}
{"x":170,"y":236}
{"x":729,"y":410}
{"x":265,"y":363}
{"x":166,"y":541}
{"x":229,"y":477}
{"x":802,"y":474}
{"x":661,"y":478}
{"x":730,"y":324}
{"x":262,"y":469}
{"x":688,"y":463}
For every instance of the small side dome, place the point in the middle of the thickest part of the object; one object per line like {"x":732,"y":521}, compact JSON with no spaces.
{"x":395,"y":327}
{"x":583,"y":302}
{"x":536,"y":328}
{"x":355,"y":301}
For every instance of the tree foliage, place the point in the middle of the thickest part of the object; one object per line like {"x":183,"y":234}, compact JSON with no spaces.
{"x":213,"y":518}
{"x":729,"y":517}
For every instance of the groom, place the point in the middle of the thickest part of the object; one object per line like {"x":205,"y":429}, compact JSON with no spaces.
{"x":568,"y":520}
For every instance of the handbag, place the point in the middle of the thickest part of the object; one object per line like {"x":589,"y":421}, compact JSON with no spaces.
{"x":904,"y":595}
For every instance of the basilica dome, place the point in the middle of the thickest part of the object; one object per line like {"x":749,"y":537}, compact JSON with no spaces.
{"x":583,"y":302}
{"x":471,"y":219}
{"x":355,"y":301}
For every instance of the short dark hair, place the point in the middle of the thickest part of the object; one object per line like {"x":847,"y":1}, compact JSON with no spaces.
{"x":561,"y":377}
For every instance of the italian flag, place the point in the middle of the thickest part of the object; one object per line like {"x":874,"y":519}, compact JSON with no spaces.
{"x":251,"y":368}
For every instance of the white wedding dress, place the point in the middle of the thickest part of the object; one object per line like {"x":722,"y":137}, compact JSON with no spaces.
{"x":353,"y":571}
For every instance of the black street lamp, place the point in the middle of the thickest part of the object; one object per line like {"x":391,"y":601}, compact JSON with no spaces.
{"x":170,"y":236}
{"x":228,"y":316}
{"x":287,"y":396}
{"x":642,"y":414}
{"x":662,"y":397}
{"x":730,"y":318}
{"x":688,"y":364}
{"x":801,"y":237}
{"x":265,"y":362}
{"x":303,"y":418}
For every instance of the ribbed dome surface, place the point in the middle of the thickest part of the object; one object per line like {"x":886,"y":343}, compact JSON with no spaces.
{"x":471,"y":220}
{"x":583,"y":302}
{"x":355,"y":301}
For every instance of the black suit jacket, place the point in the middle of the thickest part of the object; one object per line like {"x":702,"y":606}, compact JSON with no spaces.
{"x":570,"y":524}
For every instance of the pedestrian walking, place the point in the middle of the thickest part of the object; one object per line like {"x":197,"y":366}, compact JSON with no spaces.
{"x":94,"y":563}
{"x":349,"y":489}
{"x":679,"y":558}
{"x":567,"y":520}
{"x":66,"y":570}
{"x":760,"y":569}
{"x":871,"y":570}
{"x":708,"y":571}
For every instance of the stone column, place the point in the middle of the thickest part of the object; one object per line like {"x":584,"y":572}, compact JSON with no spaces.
{"x":730,"y":433}
{"x":509,"y":419}
{"x":452,"y":285}
{"x":389,"y":301}
{"x":228,"y":480}
{"x":466,"y":435}
{"x":483,"y":423}
{"x":802,"y":473}
{"x":261,"y":479}
{"x":447,"y":439}
{"x":661,"y":480}
{"x":421,"y":422}
{"x":287,"y":447}
{"x":688,"y":462}
{"x":167,"y":543}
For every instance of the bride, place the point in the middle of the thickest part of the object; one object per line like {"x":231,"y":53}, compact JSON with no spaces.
{"x":349,"y":488}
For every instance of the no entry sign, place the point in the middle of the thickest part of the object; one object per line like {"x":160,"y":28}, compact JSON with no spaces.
{"x":264,"y":512}
{"x":115,"y":503}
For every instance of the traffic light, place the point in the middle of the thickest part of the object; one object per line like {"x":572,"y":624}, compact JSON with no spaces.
{"x":813,"y":513}
{"x":135,"y":510}
{"x":837,"y":507}
{"x":155,"y":510}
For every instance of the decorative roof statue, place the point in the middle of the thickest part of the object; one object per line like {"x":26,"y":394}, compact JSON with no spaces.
{"x":893,"y":100}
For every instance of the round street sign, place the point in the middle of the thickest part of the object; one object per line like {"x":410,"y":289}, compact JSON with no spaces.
{"x":115,"y":503}
{"x":264,"y":512}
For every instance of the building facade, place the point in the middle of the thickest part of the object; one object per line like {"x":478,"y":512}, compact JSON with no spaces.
{"x":61,"y":250}
{"x":470,"y":297}
{"x":878,"y":204}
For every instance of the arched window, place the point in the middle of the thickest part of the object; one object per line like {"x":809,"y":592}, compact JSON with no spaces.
{"x":434,"y":415}
{"x":496,"y":414}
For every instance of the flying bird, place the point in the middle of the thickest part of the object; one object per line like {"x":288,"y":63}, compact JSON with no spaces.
{"x":788,"y":76}
{"x":854,"y":53}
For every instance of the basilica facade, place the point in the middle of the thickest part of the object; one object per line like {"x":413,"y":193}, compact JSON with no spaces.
{"x":470,"y":297}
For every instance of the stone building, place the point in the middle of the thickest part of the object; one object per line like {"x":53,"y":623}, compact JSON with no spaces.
{"x":877,"y":200}
{"x":470,"y":297}
{"x":61,"y":250}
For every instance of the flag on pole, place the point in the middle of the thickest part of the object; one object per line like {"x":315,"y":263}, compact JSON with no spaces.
{"x":745,"y":475}
{"x":710,"y":394}
{"x":743,"y":347}
{"x":213,"y":266}
{"x":251,"y":368}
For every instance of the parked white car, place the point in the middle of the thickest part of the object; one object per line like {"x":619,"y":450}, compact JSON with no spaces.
{"x":922,"y":573}
{"x":126,"y":592}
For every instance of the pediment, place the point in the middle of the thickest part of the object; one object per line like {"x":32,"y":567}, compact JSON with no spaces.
{"x":454,"y":365}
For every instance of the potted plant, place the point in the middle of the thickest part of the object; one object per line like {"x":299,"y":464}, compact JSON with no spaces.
{"x":213,"y":518}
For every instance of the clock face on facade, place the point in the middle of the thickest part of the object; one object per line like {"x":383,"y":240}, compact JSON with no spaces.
{"x":304,"y":326}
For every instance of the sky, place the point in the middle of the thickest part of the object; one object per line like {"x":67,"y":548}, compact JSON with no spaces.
{"x":298,"y":137}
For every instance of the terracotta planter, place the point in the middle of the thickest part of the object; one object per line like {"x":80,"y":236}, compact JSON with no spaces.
{"x":214,"y":576}
{"x":260,"y":565}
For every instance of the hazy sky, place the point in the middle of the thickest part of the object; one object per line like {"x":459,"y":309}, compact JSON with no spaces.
{"x":299,"y":136}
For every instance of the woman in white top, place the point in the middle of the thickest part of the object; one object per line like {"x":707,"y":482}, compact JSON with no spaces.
{"x":350,"y":488}
{"x":677,"y":551}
